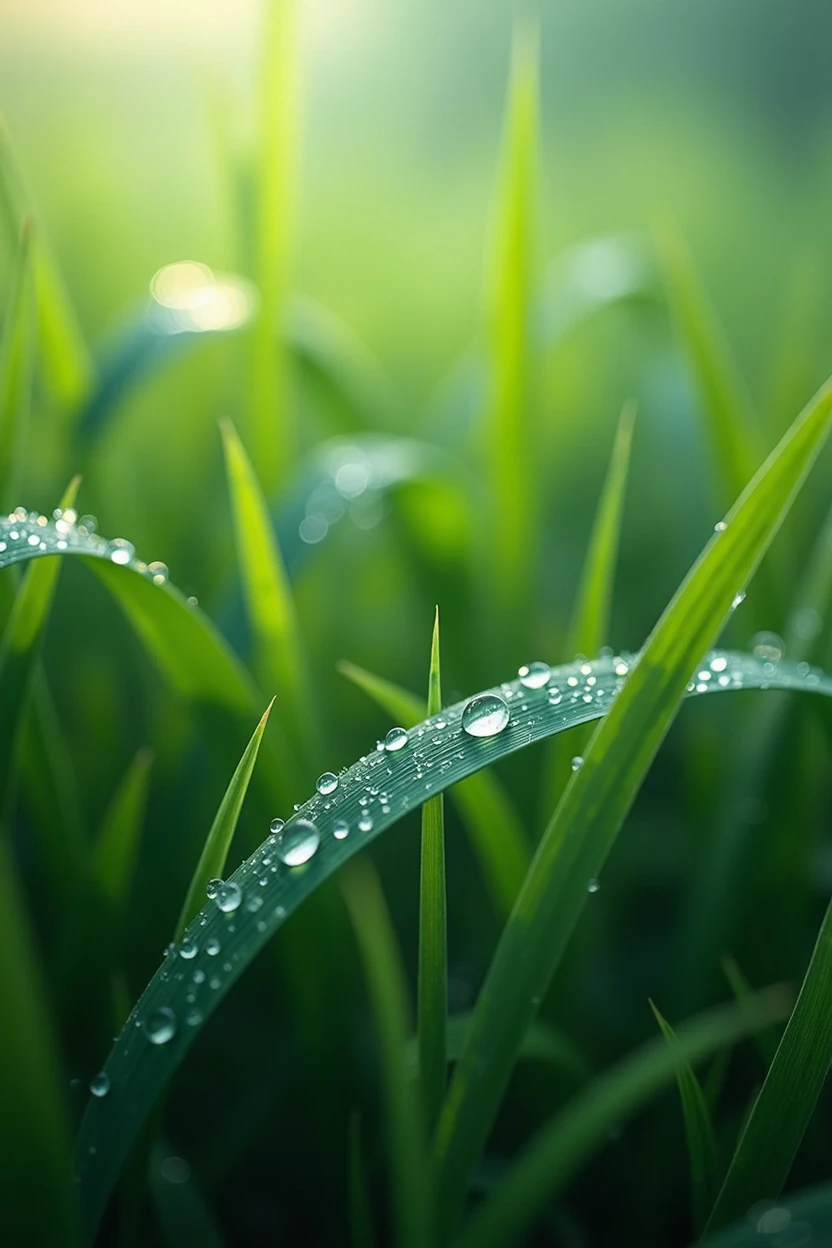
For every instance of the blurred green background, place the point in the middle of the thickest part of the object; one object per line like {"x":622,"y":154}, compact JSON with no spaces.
{"x":136,"y":128}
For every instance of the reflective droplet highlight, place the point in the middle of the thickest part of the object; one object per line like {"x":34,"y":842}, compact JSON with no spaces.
{"x":327,"y":783}
{"x":160,"y":1025}
{"x":100,"y":1085}
{"x":396,"y":739}
{"x":485,"y":715}
{"x":298,"y":843}
{"x":229,"y":895}
{"x":535,"y":675}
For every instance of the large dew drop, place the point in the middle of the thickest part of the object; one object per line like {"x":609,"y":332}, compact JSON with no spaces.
{"x":298,"y":842}
{"x":160,"y":1025}
{"x":396,"y":739}
{"x":100,"y":1085}
{"x":229,"y":895}
{"x":535,"y":675}
{"x":768,"y":646}
{"x":485,"y":715}
{"x":327,"y":783}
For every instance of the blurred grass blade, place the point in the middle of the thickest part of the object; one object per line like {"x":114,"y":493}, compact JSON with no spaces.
{"x":388,"y":995}
{"x":433,"y":934}
{"x":272,"y":431}
{"x":564,"y":1144}
{"x":16,"y":365}
{"x":542,"y":1043}
{"x":115,"y":852}
{"x":185,"y":1218}
{"x":788,"y":1097}
{"x":66,"y":360}
{"x":37,"y":1195}
{"x":698,"y":1128}
{"x":20,"y":649}
{"x":278,"y":657}
{"x":138,"y":1070}
{"x":599,"y":795}
{"x":510,"y":469}
{"x":802,"y":1220}
{"x":494,"y":827}
{"x":362,"y":1232}
{"x":215,"y":851}
{"x":767,"y":1038}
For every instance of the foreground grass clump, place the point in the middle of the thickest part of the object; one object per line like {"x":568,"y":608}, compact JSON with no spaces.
{"x":452,"y":1030}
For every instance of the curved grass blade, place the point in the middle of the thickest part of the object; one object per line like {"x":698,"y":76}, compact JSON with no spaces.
{"x":788,"y":1096}
{"x":698,"y":1128}
{"x":278,"y":658}
{"x":38,"y":1200}
{"x":215,"y":851}
{"x":542,"y":1043}
{"x":564,"y":1144}
{"x":371,"y":796}
{"x":362,"y":1231}
{"x":803,"y":1220}
{"x":497,"y":834}
{"x":599,"y":795}
{"x":388,"y":995}
{"x":16,"y":366}
{"x":66,"y":360}
{"x":433,"y":930}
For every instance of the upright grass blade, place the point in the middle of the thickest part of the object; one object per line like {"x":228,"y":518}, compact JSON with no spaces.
{"x":564,"y":1144}
{"x":215,"y":851}
{"x":510,"y":474}
{"x":20,"y":646}
{"x":66,"y":360}
{"x":138,"y":1070}
{"x":494,"y":826}
{"x":599,"y":795}
{"x":589,"y":629}
{"x":767,"y":1039}
{"x":278,"y":653}
{"x":542,"y":1043}
{"x":698,"y":1128}
{"x":272,"y":430}
{"x":16,"y":364}
{"x":388,"y":995}
{"x":39,"y":1203}
{"x":114,"y":855}
{"x":433,"y":935}
{"x":362,"y":1231}
{"x":788,"y":1097}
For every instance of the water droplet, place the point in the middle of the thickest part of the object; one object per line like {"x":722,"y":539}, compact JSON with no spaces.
{"x":299,"y":842}
{"x":187,"y":950}
{"x":719,"y":663}
{"x":768,"y":646}
{"x":120,"y":550}
{"x":396,"y":739}
{"x":808,"y":624}
{"x":365,"y":823}
{"x":720,"y":526}
{"x":535,"y":675}
{"x":485,"y":715}
{"x":341,"y":830}
{"x":89,"y":523}
{"x":194,"y":1018}
{"x":327,"y":783}
{"x":100,"y":1085}
{"x":212,"y":946}
{"x":212,"y":889}
{"x":160,"y":1025}
{"x":577,"y":763}
{"x":229,"y":895}
{"x":276,"y":827}
{"x":738,"y":600}
{"x":593,"y":885}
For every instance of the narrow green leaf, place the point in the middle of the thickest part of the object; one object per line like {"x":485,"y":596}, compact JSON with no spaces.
{"x":698,"y":1128}
{"x":433,"y":934}
{"x":508,"y":432}
{"x":362,"y":1232}
{"x":272,"y":431}
{"x":496,"y":831}
{"x":564,"y":1144}
{"x":16,"y":365}
{"x":215,"y":851}
{"x":39,"y":1203}
{"x":114,"y":855}
{"x":584,"y":827}
{"x":388,"y":995}
{"x":66,"y":359}
{"x":139,"y":1070}
{"x":542,"y":1043}
{"x":767,"y":1038}
{"x":803,"y":1220}
{"x":268,"y":597}
{"x":186,"y":1220}
{"x":788,"y":1097}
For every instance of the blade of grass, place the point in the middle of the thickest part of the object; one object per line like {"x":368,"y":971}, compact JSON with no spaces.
{"x":698,"y":1128}
{"x":497,"y":834}
{"x":564,"y":1144}
{"x":278,"y":657}
{"x":388,"y":995}
{"x":114,"y":856}
{"x":542,"y":1043}
{"x":362,"y":1232}
{"x":433,"y":935}
{"x":39,"y":1203}
{"x":272,"y":430}
{"x":510,"y":474}
{"x":139,"y":1070}
{"x":800,"y":1220}
{"x":215,"y":851}
{"x":767,"y":1038}
{"x":16,"y":366}
{"x":787,"y":1099}
{"x":180,"y":1207}
{"x":599,"y":795}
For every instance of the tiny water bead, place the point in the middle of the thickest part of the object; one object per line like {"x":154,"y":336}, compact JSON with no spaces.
{"x":341,"y":830}
{"x":120,"y":550}
{"x":276,"y":826}
{"x":327,"y":783}
{"x":535,"y":675}
{"x":212,"y":889}
{"x":365,"y":823}
{"x":212,"y":946}
{"x":739,"y":599}
{"x":100,"y":1085}
{"x":720,"y":526}
{"x":768,"y":646}
{"x":593,"y":885}
{"x":187,"y":950}
{"x":485,"y":715}
{"x":160,"y":1025}
{"x":298,"y":842}
{"x":229,"y":895}
{"x":577,"y":763}
{"x":396,"y":739}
